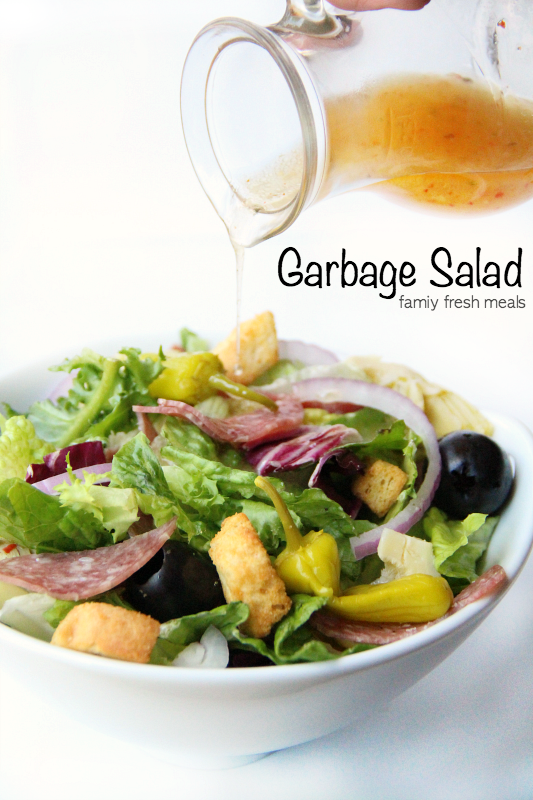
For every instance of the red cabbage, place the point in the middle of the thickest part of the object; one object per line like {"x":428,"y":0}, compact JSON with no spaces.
{"x":85,"y":454}
{"x":315,"y":443}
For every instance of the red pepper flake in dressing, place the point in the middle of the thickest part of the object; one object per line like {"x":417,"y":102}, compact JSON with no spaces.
{"x":502,"y":24}
{"x":9,"y":548}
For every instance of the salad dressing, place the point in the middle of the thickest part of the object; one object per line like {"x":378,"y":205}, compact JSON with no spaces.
{"x":239,"y":262}
{"x":265,"y":193}
{"x":440,"y":141}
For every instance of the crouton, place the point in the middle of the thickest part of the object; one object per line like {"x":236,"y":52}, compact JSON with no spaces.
{"x":247,"y":574}
{"x":379,"y":486}
{"x":259,"y":349}
{"x":107,"y":630}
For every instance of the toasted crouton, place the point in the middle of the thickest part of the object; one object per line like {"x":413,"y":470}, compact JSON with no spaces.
{"x":246,"y":574}
{"x":379,"y":486}
{"x":107,"y":630}
{"x":259,"y":349}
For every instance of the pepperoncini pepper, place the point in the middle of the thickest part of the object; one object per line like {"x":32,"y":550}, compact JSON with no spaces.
{"x":309,"y":564}
{"x":416,"y":598}
{"x":193,"y":377}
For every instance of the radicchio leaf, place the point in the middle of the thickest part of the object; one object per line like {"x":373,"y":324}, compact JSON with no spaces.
{"x":85,"y":454}
{"x":314,"y":444}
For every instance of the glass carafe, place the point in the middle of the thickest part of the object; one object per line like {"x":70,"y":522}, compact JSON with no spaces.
{"x":433,"y":107}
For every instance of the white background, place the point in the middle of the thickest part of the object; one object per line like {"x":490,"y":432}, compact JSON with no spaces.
{"x":105,"y":234}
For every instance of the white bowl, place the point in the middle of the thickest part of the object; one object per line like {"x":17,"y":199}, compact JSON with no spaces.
{"x":224,"y":718}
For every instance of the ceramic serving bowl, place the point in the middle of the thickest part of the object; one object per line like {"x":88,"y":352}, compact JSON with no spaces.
{"x":223,"y":718}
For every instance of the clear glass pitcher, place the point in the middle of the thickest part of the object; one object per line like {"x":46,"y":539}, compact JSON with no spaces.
{"x":433,"y":107}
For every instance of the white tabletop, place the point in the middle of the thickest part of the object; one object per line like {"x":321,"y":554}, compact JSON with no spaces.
{"x":106,"y":234}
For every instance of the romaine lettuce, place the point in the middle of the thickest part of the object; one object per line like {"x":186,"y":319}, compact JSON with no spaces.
{"x":19,"y":447}
{"x":368,"y":421}
{"x":38,"y":521}
{"x":135,"y":466}
{"x":458,"y":544}
{"x":292,"y":640}
{"x":114,"y":509}
{"x":192,"y":343}
{"x":185,"y":436}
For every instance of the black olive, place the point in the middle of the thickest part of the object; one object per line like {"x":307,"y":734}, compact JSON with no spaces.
{"x":176,"y":582}
{"x":242,"y":658}
{"x":476,"y":475}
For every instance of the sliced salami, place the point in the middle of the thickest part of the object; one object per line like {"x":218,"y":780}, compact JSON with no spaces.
{"x":247,"y":430}
{"x":145,"y":426}
{"x":490,"y":582}
{"x":362,"y":632}
{"x":84,"y":573}
{"x":376,"y":633}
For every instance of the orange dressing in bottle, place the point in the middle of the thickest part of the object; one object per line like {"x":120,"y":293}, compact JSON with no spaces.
{"x":446,"y":142}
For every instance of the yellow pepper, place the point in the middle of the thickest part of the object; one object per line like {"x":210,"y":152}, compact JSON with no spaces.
{"x":416,"y":598}
{"x":186,"y":377}
{"x":193,"y":377}
{"x":317,"y":416}
{"x":309,"y":564}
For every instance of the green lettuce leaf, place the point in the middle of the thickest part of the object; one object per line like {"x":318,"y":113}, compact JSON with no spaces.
{"x":368,"y":421}
{"x":447,"y":535}
{"x":135,"y":466}
{"x":176,"y":634}
{"x":185,"y":630}
{"x":185,"y":436}
{"x":7,"y":411}
{"x":388,"y":445}
{"x":282,"y":369}
{"x":38,"y":521}
{"x":464,"y":563}
{"x":293,"y":641}
{"x":192,"y":343}
{"x":216,"y":407}
{"x":115,"y":509}
{"x":100,"y":400}
{"x":409,"y":466}
{"x":19,"y":447}
{"x":195,"y":489}
{"x":458,"y":545}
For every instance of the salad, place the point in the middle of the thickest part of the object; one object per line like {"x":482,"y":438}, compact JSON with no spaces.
{"x":194,"y":508}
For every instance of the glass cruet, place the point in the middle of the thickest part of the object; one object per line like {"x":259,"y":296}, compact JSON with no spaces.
{"x":327,"y":101}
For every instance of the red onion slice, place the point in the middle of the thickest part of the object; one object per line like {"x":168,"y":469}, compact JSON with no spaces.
{"x":400,"y":407}
{"x":48,"y":485}
{"x":308,"y":354}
